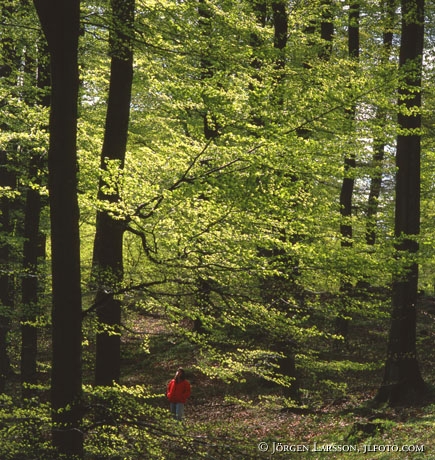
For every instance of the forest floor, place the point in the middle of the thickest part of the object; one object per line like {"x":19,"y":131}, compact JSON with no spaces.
{"x":253,"y":420}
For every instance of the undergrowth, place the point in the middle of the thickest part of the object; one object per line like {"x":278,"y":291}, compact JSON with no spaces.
{"x":333,"y":417}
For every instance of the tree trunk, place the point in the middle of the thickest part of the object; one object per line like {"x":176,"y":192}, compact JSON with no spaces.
{"x":108,"y":244}
{"x":29,"y":285}
{"x":210,"y":124}
{"x":7,"y":179}
{"x":32,"y":249}
{"x":60,"y":23}
{"x":375,"y":188}
{"x":379,"y":144}
{"x":346,"y":194}
{"x":326,"y":29}
{"x":402,"y":381}
{"x":349,"y":162}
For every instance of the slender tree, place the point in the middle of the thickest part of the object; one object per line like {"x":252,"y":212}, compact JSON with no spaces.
{"x":326,"y":29}
{"x":347,"y":188}
{"x":379,"y":142}
{"x":402,"y":380}
{"x":108,"y":243}
{"x":349,"y":162}
{"x":211,"y":127}
{"x":287,"y":364}
{"x":61,"y":25}
{"x":33,"y":246}
{"x":7,"y":180}
{"x":30,"y":282}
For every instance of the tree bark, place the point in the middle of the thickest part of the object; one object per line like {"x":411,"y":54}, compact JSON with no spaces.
{"x":326,"y":29}
{"x":108,"y":243}
{"x":32,"y":249}
{"x":402,"y":382}
{"x":60,"y":23}
{"x":379,"y":144}
{"x":210,"y":124}
{"x":347,"y":188}
{"x":349,"y":162}
{"x":29,"y":286}
{"x":7,"y":179}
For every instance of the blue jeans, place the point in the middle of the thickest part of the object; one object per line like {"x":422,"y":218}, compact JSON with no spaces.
{"x":177,"y":410}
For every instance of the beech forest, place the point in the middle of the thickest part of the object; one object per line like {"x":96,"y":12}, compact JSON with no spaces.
{"x":239,"y":188}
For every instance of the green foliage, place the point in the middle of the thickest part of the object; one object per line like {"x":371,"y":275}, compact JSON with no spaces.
{"x":25,"y":428}
{"x":122,"y":422}
{"x":229,"y":196}
{"x":220,"y":230}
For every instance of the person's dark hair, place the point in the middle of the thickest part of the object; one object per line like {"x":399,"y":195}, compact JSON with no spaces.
{"x":180,"y":374}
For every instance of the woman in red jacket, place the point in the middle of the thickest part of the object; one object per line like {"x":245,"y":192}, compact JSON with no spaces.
{"x":178,"y":391}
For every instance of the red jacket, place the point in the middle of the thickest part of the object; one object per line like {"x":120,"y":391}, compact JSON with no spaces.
{"x":178,"y":392}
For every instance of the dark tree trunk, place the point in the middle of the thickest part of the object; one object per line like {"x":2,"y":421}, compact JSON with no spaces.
{"x":210,"y":124}
{"x":29,"y":285}
{"x":326,"y":29}
{"x":210,"y":131}
{"x":379,"y":144}
{"x":259,"y":8}
{"x":349,"y":162}
{"x":60,"y":23}
{"x":285,"y":345}
{"x":346,"y":194}
{"x":32,"y":249}
{"x":280,"y":28}
{"x":375,"y":189}
{"x":402,"y":381}
{"x":7,"y":179}
{"x":108,"y":244}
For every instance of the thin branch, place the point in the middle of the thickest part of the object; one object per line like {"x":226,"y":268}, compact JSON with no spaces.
{"x":183,"y":179}
{"x":321,"y":115}
{"x":106,"y":295}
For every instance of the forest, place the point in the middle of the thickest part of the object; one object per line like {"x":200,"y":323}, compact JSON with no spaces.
{"x":241,"y":188}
